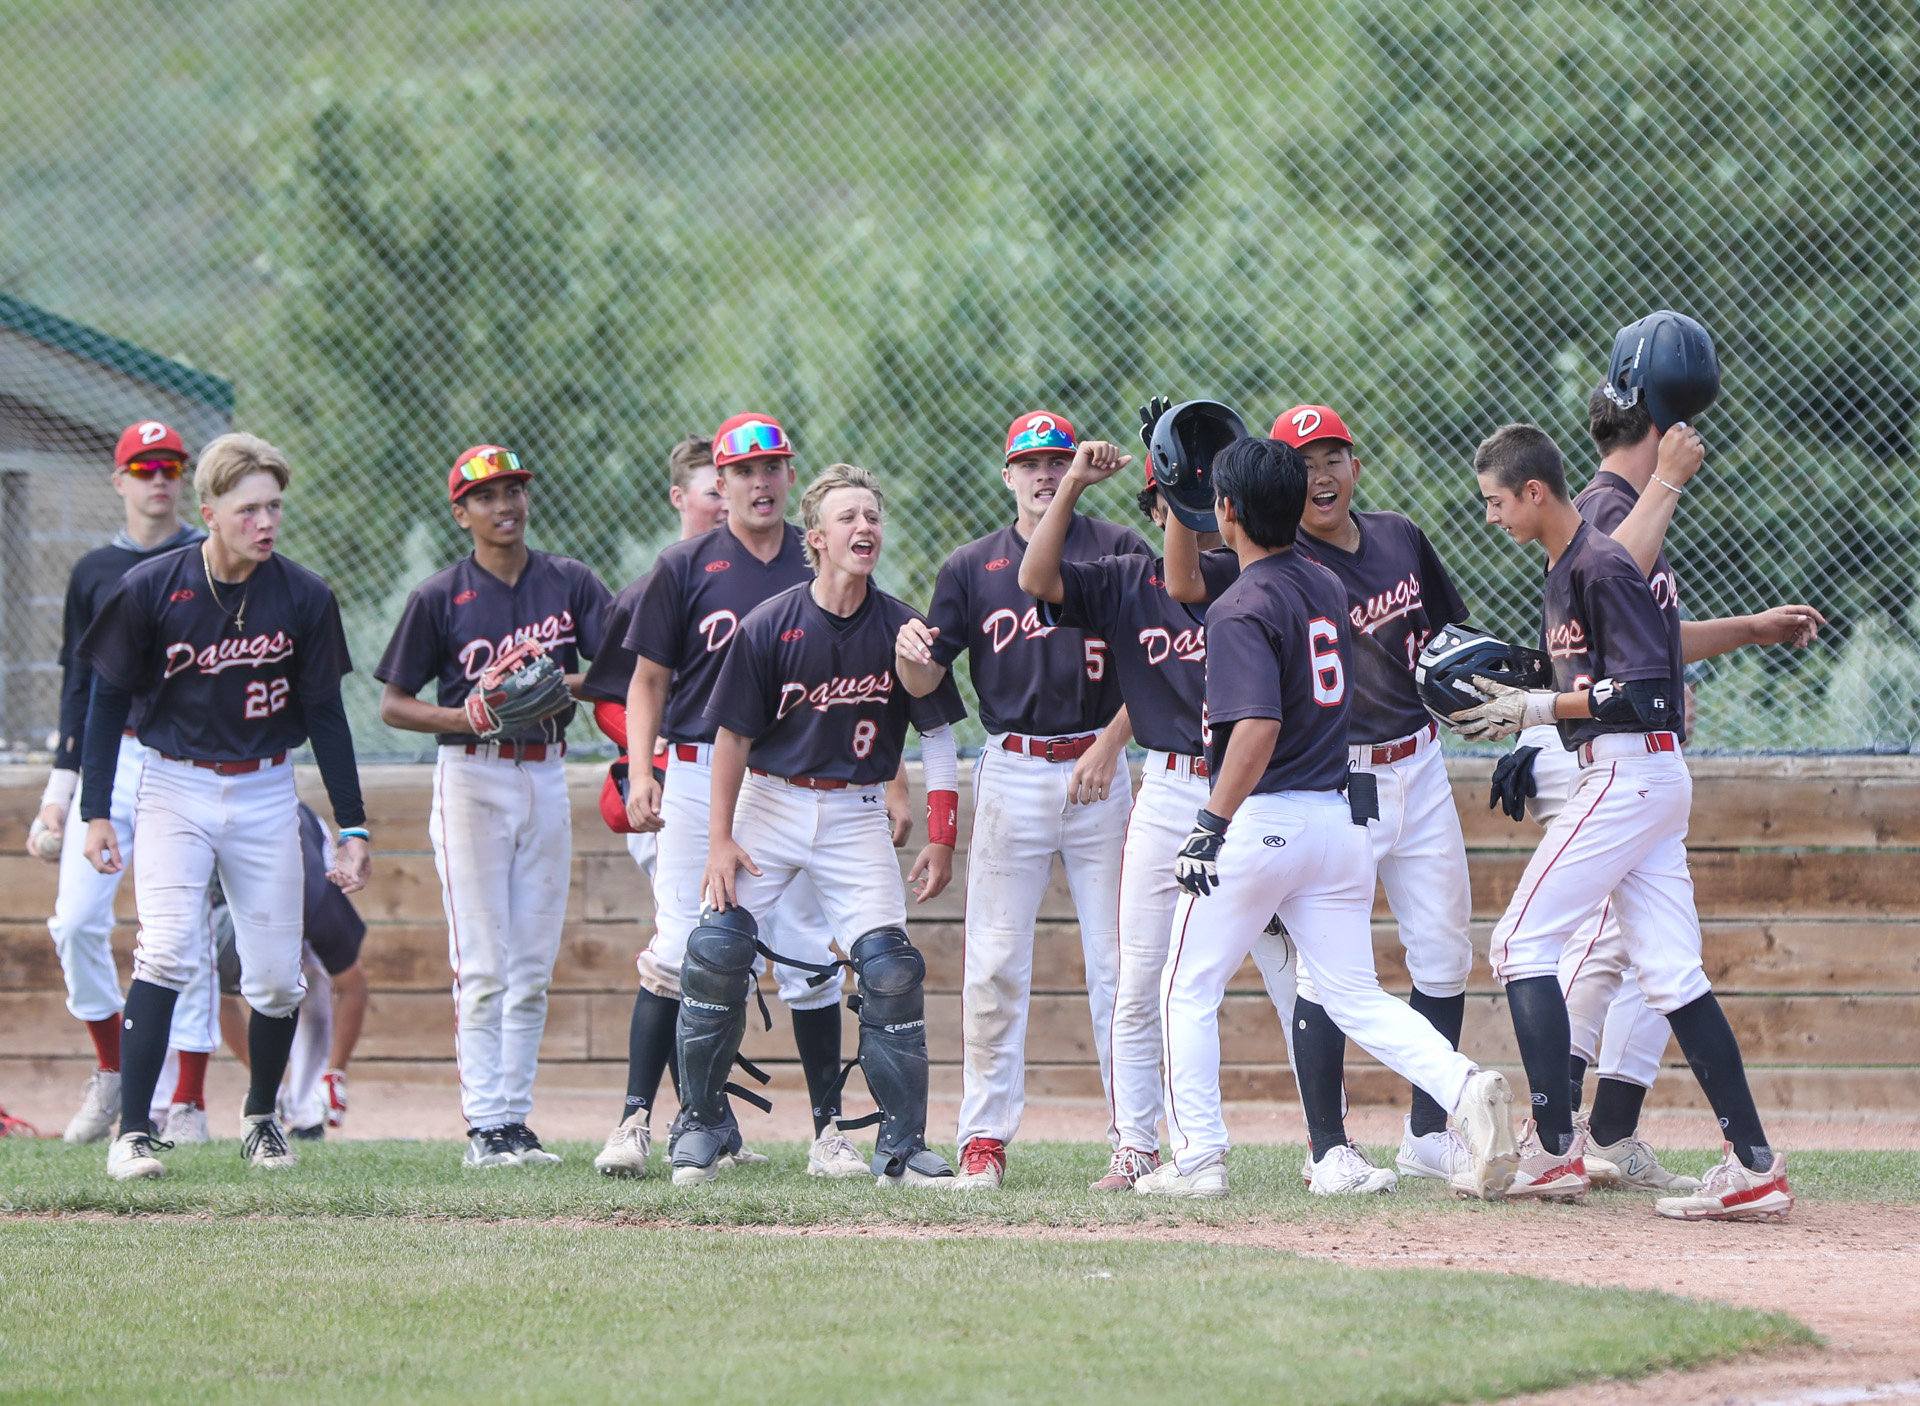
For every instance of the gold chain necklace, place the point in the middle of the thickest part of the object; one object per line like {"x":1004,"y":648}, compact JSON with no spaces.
{"x":239,"y":616}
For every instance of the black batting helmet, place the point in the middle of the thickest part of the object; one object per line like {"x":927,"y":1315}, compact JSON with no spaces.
{"x":1185,"y":439}
{"x":1667,"y":360}
{"x":1456,"y":653}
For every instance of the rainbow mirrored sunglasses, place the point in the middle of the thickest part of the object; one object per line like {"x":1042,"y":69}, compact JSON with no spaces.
{"x":489,"y":462}
{"x":754,"y":437}
{"x":1038,"y":440}
{"x":147,"y":468}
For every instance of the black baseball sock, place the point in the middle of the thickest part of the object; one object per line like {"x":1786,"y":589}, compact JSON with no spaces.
{"x":1319,"y":1068}
{"x":1445,"y":1014}
{"x":269,"y":1042}
{"x":651,"y":1051}
{"x":1577,"y":1080}
{"x":1616,"y":1110}
{"x":145,"y":1024}
{"x":1540,"y":1025}
{"x":1714,"y":1055}
{"x":816,"y":1035}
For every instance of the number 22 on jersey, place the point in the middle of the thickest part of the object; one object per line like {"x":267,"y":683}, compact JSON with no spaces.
{"x":266,"y":698}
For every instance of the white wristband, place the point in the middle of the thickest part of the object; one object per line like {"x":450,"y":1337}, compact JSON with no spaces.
{"x":1539,"y":712}
{"x":940,"y":760}
{"x":61,"y":785}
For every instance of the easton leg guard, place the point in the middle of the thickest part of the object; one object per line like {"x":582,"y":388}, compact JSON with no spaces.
{"x":714,"y":982}
{"x":893,"y":1053}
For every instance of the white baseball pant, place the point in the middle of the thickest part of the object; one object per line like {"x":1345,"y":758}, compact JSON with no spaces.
{"x":1613,"y":1028}
{"x":502,"y":835}
{"x":1163,"y":812}
{"x":645,"y":850}
{"x":303,"y":1099}
{"x":1622,"y":832}
{"x":839,"y":839}
{"x":82,"y":921}
{"x":799,"y":928}
{"x":1021,"y":820}
{"x":1297,"y":852}
{"x":1420,"y":855}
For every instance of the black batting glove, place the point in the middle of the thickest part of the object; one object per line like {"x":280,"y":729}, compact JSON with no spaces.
{"x":1513,"y":782}
{"x":1150,"y":414}
{"x":1196,"y":868}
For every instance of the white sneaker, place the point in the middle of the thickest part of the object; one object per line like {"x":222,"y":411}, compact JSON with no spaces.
{"x":265,"y":1144}
{"x":1207,"y":1183}
{"x":487,"y":1148}
{"x":745,"y":1157}
{"x":1630,"y":1165}
{"x":625,"y":1154}
{"x":1346,"y":1171}
{"x":187,"y":1122}
{"x":1549,"y":1176}
{"x":131,"y":1157}
{"x":527,"y":1150}
{"x":1484,"y":1120}
{"x":1731,"y":1192}
{"x":833,"y":1155}
{"x":983,"y":1165}
{"x":1439,"y":1156}
{"x":99,"y":1107}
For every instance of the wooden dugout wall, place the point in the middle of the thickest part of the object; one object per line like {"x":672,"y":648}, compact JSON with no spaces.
{"x":1805,"y":870}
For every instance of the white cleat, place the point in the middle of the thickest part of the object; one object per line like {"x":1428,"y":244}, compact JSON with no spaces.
{"x":187,"y":1123}
{"x":745,"y":1157}
{"x":1550,"y":1176}
{"x":1208,"y":1183}
{"x":833,"y":1155}
{"x":1437,"y":1156}
{"x":333,"y":1088}
{"x":525,"y":1143}
{"x":99,"y":1107}
{"x":1347,"y":1171}
{"x":265,"y":1144}
{"x":487,"y":1148}
{"x":1485,"y":1123}
{"x":132,"y":1157}
{"x":628,"y":1145}
{"x":1731,"y":1192}
{"x":1630,"y":1165}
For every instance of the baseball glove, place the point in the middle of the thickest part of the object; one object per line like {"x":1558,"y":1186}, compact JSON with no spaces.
{"x":522,"y":687}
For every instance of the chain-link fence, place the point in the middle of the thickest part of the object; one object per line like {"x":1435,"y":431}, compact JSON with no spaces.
{"x":584,"y":229}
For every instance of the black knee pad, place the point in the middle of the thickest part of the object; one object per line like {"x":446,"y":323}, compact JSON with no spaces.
{"x":891,"y":975}
{"x":714,"y":982}
{"x":893,"y":1043}
{"x":720,"y":952}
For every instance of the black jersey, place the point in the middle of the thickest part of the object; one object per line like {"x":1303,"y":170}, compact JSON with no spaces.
{"x":1032,"y":678}
{"x":1600,"y":621}
{"x":1158,"y":644}
{"x":213,"y":691}
{"x":611,"y":672}
{"x":458,"y":621}
{"x":1398,"y":594}
{"x":1605,"y":503}
{"x":1278,"y":646}
{"x":333,"y":926}
{"x":817,"y":692}
{"x":93,"y":579}
{"x":699,"y":592}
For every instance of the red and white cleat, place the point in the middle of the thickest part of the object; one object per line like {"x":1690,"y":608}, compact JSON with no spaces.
{"x":983,"y":1165}
{"x":1129,"y":1164}
{"x":1732,"y":1192}
{"x":333,"y":1084}
{"x":1547,"y":1176}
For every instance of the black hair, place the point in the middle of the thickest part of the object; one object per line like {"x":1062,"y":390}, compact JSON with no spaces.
{"x":1146,"y":500}
{"x":1517,"y":455}
{"x":1616,"y":426}
{"x":1266,"y":482}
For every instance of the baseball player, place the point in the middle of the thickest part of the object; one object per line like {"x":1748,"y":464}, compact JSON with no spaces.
{"x":233,"y":656}
{"x":1610,"y":1022}
{"x":1275,"y":830}
{"x":809,"y":732}
{"x":148,"y":460}
{"x":1616,"y":679}
{"x":699,"y":592}
{"x":501,"y":824}
{"x":1047,"y":695}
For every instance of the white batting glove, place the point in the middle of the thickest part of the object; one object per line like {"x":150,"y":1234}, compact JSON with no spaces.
{"x":1507,"y":710}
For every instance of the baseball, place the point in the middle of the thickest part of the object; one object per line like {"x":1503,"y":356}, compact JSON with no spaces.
{"x":43,"y":839}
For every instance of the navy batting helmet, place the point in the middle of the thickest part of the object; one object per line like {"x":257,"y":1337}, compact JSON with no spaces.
{"x":1185,"y":439}
{"x":1456,"y":653}
{"x":1667,"y":360}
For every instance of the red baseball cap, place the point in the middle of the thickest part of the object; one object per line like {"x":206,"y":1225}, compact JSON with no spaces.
{"x":749,"y":436}
{"x":1303,"y":424}
{"x":483,"y":463}
{"x":1040,"y":432}
{"x":147,"y":437}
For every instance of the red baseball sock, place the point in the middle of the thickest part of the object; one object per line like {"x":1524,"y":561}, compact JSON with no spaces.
{"x":192,"y":1087}
{"x":106,"y":1041}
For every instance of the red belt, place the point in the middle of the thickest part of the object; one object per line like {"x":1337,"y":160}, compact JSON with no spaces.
{"x":684,"y":751}
{"x":1387,"y":753}
{"x":1197,"y":765}
{"x":1053,"y":749}
{"x":233,"y":768}
{"x":128,"y":732}
{"x":806,"y":783}
{"x":1656,"y":742}
{"x":519,"y":751}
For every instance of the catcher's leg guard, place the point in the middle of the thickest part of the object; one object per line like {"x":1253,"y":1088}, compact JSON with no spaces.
{"x":893,"y":1053}
{"x":714,"y":981}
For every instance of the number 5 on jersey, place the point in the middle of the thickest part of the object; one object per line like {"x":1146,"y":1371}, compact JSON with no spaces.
{"x":266,"y":698}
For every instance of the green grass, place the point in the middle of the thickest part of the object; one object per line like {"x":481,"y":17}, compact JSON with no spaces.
{"x":376,"y":1312}
{"x":1046,"y":1186}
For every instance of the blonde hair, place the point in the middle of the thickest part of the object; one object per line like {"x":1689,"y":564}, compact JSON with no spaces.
{"x":689,"y":456}
{"x":230,"y":458}
{"x":835,"y":476}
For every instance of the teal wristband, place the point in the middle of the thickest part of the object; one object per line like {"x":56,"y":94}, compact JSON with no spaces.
{"x":356,"y":832}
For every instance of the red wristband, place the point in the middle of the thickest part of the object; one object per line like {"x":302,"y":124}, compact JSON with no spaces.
{"x":943,"y":812}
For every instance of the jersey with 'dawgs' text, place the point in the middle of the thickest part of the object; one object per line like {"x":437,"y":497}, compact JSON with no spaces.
{"x":1599,"y":621}
{"x":213,"y":690}
{"x":458,"y":621}
{"x":817,"y":692}
{"x":1605,"y":503}
{"x":611,"y":671}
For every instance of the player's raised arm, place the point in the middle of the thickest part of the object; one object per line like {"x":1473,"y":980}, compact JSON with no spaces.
{"x":1644,"y":530}
{"x":1094,"y":461}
